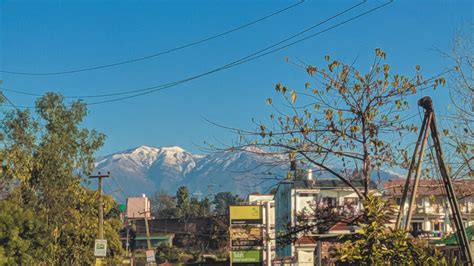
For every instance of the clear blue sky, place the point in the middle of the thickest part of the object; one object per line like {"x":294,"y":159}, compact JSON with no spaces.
{"x":61,"y":35}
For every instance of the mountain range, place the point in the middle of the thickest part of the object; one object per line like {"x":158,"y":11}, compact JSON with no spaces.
{"x":146,"y":170}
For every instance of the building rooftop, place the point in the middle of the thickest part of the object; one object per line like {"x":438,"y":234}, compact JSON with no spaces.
{"x":328,"y":183}
{"x":464,"y":187}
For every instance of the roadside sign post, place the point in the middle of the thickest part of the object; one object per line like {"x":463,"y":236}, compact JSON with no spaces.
{"x":100,"y":248}
{"x":150,"y":255}
{"x":246,"y":234}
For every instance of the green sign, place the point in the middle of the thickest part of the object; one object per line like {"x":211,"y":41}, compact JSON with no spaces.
{"x":246,"y":256}
{"x":100,"y":248}
{"x":122,"y":208}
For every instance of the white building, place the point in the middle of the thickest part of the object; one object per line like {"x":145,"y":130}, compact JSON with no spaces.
{"x":268,"y":204}
{"x":432,"y":213}
{"x":137,"y":207}
{"x":294,"y":197}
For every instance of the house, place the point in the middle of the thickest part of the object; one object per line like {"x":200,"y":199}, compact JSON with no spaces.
{"x":432,"y":214}
{"x":137,"y":207}
{"x":308,"y":198}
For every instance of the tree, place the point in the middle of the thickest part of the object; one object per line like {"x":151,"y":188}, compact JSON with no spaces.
{"x":223,"y":200}
{"x":24,"y":237}
{"x":164,"y":205}
{"x":182,"y":201}
{"x":165,"y":253}
{"x":459,"y":133}
{"x":343,"y":122}
{"x":48,"y":155}
{"x":377,"y":244}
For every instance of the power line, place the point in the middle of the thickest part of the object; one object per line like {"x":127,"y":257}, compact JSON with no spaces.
{"x":241,"y":61}
{"x":245,"y":59}
{"x":158,"y":53}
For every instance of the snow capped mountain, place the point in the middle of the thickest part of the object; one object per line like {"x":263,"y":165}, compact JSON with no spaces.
{"x":148,"y":169}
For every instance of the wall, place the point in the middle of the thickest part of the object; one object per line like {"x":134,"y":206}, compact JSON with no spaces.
{"x":283,"y":216}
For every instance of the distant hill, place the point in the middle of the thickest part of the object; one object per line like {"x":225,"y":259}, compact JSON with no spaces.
{"x":145,"y":170}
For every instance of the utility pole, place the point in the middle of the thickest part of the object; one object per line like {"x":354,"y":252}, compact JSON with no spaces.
{"x":429,"y":124}
{"x":268,"y":238}
{"x":99,"y":176}
{"x":147,"y":228}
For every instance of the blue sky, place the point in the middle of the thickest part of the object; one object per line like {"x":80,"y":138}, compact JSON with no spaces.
{"x":41,"y":36}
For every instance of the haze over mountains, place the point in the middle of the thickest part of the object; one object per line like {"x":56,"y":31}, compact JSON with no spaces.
{"x":145,"y":170}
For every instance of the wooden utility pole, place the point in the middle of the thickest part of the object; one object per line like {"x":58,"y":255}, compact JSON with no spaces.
{"x":429,"y":124}
{"x":99,"y":176}
{"x":147,"y":229}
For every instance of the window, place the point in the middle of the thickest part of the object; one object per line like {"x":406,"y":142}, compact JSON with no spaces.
{"x":330,"y":201}
{"x":416,"y":226}
{"x":437,"y":226}
{"x":313,"y":195}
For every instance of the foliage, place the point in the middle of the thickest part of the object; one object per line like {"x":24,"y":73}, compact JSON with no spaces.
{"x":223,"y":200}
{"x":164,"y":205}
{"x":344,"y":122}
{"x":23,"y":237}
{"x":165,"y":253}
{"x":189,"y":207}
{"x":43,"y":154}
{"x":182,"y":201}
{"x":377,"y":244}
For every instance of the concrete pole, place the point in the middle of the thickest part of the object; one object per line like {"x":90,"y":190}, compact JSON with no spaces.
{"x":268,"y":238}
{"x":101,"y":211}
{"x":318,"y":253}
{"x":101,"y":203}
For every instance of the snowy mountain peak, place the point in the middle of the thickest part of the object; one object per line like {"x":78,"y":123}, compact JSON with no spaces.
{"x":150,"y":169}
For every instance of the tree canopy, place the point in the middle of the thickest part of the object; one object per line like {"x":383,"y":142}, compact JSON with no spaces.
{"x":343,"y":122}
{"x":46,"y":155}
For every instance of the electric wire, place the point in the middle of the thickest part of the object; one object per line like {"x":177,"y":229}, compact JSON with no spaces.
{"x":243,"y":61}
{"x":239,"y":61}
{"x":246,"y":59}
{"x":181,"y":47}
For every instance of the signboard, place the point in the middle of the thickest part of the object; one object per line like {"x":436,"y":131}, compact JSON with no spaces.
{"x":100,"y":248}
{"x":246,"y":256}
{"x":100,"y":262}
{"x":246,"y":214}
{"x":245,"y":236}
{"x":247,"y":243}
{"x":150,"y":255}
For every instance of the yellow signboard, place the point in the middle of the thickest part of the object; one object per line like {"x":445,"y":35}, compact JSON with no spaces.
{"x":246,"y":214}
{"x":252,"y":233}
{"x":246,"y":236}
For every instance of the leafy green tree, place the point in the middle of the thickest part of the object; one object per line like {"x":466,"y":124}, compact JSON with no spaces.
{"x":182,"y":201}
{"x":205,"y":207}
{"x":223,"y":200}
{"x":48,"y":153}
{"x":377,"y":244}
{"x":165,"y":253}
{"x":164,"y":205}
{"x":24,"y":238}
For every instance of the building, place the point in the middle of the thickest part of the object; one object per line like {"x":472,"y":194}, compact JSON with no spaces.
{"x":268,"y":204}
{"x":137,"y":207}
{"x":432,"y":214}
{"x":304,"y":197}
